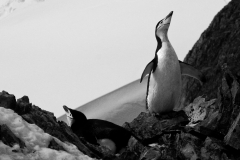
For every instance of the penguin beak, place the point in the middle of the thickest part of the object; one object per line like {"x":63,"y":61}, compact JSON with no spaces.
{"x":65,"y":108}
{"x":167,"y":20}
{"x":169,"y":15}
{"x":68,"y":112}
{"x":69,"y":116}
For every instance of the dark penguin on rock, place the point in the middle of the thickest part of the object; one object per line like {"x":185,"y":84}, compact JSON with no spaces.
{"x":79,"y":125}
{"x":164,"y":73}
{"x":98,"y":131}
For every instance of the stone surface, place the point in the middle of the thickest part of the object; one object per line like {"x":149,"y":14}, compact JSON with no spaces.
{"x":147,"y":126}
{"x":54,"y":145}
{"x":232,"y":137}
{"x":217,"y":47}
{"x":8,"y":138}
{"x":47,"y":121}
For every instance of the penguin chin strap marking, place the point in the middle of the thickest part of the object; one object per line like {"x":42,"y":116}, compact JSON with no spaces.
{"x":70,"y":120}
{"x":70,"y":117}
{"x":163,"y":25}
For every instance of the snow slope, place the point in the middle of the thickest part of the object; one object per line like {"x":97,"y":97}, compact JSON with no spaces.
{"x":9,"y":6}
{"x":36,"y":141}
{"x":119,"y":106}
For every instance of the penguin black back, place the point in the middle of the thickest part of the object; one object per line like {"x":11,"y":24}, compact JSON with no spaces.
{"x":97,"y":129}
{"x":107,"y":130}
{"x":80,"y":125}
{"x":159,"y":42}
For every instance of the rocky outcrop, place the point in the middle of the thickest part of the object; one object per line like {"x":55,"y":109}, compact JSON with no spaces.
{"x":209,"y":131}
{"x":8,"y":138}
{"x":217,"y":48}
{"x":46,"y":121}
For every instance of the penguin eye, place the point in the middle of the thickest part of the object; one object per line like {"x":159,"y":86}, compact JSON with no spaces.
{"x":159,"y":23}
{"x":69,"y":115}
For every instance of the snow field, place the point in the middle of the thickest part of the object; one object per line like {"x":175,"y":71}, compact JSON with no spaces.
{"x":36,"y":141}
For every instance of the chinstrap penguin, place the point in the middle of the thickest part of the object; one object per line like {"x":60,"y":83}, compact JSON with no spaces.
{"x":164,"y":73}
{"x":98,"y":131}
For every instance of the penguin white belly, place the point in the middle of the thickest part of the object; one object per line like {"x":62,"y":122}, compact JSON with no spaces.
{"x":165,"y":82}
{"x":109,"y":144}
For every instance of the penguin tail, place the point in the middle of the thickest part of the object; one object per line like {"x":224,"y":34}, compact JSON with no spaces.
{"x":143,"y":142}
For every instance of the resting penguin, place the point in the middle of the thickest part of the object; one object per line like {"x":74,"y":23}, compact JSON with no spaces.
{"x":98,"y":131}
{"x":165,"y":70}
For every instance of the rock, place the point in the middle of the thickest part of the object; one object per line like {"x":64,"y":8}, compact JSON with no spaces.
{"x":218,"y":46}
{"x":7,"y":100}
{"x":129,"y":155}
{"x":8,"y":138}
{"x":163,"y":131}
{"x":47,"y":121}
{"x":189,"y":151}
{"x":147,"y":127}
{"x":54,"y":145}
{"x":232,"y":137}
{"x":221,"y":115}
{"x":199,"y":110}
{"x":215,"y":149}
{"x":151,"y":154}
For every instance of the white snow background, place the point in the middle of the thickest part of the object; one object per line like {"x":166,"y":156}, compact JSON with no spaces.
{"x":69,"y":52}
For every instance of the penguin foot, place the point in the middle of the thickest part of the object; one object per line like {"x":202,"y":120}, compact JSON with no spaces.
{"x":155,"y":114}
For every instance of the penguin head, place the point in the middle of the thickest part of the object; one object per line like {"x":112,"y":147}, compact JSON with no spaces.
{"x":163,"y":25}
{"x":74,"y":116}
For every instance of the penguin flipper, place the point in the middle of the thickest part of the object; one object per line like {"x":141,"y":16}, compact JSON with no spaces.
{"x":190,"y":71}
{"x":148,"y":69}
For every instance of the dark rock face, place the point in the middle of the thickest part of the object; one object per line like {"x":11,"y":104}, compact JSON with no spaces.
{"x":54,"y":145}
{"x":7,"y":100}
{"x":213,"y":131}
{"x":46,"y":121}
{"x":148,"y":127}
{"x":217,"y":48}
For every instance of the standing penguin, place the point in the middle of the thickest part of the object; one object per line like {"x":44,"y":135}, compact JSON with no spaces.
{"x":98,"y":131}
{"x":165,"y":70}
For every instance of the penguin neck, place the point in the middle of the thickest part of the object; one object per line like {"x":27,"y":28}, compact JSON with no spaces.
{"x":76,"y":125}
{"x":159,"y":44}
{"x":163,"y":37}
